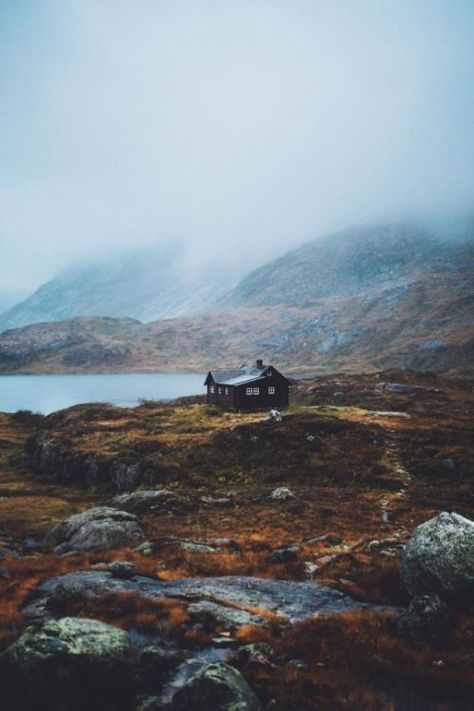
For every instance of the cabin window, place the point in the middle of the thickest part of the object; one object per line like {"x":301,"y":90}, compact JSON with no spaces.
{"x":249,"y":391}
{"x":256,"y":391}
{"x":227,"y":391}
{"x":211,"y":389}
{"x":269,"y":372}
{"x":271,"y":390}
{"x":220,"y":390}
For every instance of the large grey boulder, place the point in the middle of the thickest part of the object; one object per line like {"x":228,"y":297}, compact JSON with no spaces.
{"x":439,"y":557}
{"x":69,"y":663}
{"x":99,"y":528}
{"x":218,"y":687}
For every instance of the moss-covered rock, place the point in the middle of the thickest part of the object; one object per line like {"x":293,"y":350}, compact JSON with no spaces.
{"x":67,"y":664}
{"x":219,"y":687}
{"x":439,"y":557}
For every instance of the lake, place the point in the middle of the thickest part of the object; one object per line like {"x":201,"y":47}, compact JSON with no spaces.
{"x":48,"y":393}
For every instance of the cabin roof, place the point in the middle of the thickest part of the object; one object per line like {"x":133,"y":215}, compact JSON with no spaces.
{"x":239,"y":376}
{"x":239,"y":379}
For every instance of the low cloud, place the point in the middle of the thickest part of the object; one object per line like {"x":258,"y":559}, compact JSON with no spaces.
{"x":238,"y":128}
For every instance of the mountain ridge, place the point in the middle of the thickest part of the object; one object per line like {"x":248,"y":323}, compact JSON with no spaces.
{"x":144,"y":284}
{"x":406,"y":302}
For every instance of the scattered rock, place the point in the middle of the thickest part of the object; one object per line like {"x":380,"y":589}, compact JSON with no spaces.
{"x":218,"y":687}
{"x":192,"y":547}
{"x":310,"y":570}
{"x":156,"y":663}
{"x":448,"y":464}
{"x":272,"y":417}
{"x":146,"y":548}
{"x":99,"y":528}
{"x":220,"y":543}
{"x":281,"y":493}
{"x":326,"y":559}
{"x":439,"y":557}
{"x":219,"y":501}
{"x":388,"y":547}
{"x":257,"y":653}
{"x":387,"y":413}
{"x":224,"y":642}
{"x":152,"y":501}
{"x":427,"y":621}
{"x":283,"y":555}
{"x":331,"y":539}
{"x":69,"y":663}
{"x":338,"y":396}
{"x":230,"y":618}
{"x":299,"y":664}
{"x":399,"y":388}
{"x":123,"y":569}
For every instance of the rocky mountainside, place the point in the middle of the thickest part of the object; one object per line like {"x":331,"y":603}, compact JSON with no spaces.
{"x":350,"y":262}
{"x":145,"y":285}
{"x":392,"y":296}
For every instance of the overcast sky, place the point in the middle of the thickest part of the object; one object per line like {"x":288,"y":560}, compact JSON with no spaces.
{"x":241,"y":127}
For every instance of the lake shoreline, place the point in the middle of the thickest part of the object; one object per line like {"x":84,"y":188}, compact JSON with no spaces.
{"x":45,"y":393}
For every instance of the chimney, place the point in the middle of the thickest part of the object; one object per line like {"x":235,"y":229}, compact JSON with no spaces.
{"x":259,"y":363}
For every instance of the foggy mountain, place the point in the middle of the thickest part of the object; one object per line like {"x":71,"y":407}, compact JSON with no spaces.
{"x":378,"y":296}
{"x":147,"y":284}
{"x":349,"y":262}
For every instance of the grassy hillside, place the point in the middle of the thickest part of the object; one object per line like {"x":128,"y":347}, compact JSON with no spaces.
{"x":365,"y":467}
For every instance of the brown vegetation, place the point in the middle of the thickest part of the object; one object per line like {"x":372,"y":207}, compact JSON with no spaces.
{"x":362,"y":480}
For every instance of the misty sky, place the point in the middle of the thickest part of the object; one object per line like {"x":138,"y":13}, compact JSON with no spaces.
{"x":240,"y":127}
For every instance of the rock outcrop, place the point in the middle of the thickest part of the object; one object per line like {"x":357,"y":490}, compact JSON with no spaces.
{"x":51,"y":461}
{"x":294,"y":601}
{"x":100,"y":528}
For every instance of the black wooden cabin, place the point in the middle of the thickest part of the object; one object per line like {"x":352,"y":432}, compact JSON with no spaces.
{"x":250,"y":387}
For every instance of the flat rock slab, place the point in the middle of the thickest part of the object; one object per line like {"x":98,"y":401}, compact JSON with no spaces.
{"x":293,"y":600}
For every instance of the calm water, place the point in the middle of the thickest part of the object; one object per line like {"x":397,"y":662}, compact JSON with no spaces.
{"x":47,"y":393}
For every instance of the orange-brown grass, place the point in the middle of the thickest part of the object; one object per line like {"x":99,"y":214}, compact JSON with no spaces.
{"x":161,"y":616}
{"x":23,"y":575}
{"x":356,"y":660}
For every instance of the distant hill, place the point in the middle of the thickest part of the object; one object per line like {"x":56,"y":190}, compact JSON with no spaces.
{"x":145,"y":285}
{"x":366,"y":299}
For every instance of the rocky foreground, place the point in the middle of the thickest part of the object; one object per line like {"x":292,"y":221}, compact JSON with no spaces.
{"x":176,"y":557}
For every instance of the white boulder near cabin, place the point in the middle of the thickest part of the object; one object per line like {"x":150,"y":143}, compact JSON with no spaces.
{"x":250,"y":387}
